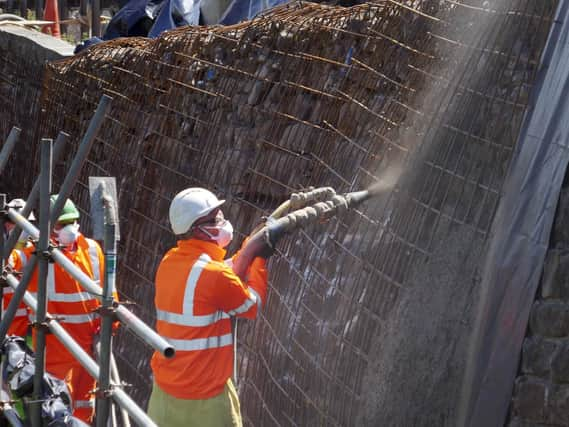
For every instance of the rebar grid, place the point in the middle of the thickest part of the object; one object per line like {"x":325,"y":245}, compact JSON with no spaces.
{"x":424,"y":96}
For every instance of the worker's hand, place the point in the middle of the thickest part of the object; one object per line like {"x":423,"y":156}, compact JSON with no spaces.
{"x":259,"y":226}
{"x":266,"y":252}
{"x":267,"y":248}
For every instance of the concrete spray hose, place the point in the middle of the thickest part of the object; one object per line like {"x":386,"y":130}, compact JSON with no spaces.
{"x":277,"y":225}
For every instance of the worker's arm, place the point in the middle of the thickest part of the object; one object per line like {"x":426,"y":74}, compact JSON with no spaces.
{"x":230,"y":294}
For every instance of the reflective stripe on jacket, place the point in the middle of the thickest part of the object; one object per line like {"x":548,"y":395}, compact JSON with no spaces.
{"x":196,"y":292}
{"x":19,"y":325}
{"x":66,"y":299}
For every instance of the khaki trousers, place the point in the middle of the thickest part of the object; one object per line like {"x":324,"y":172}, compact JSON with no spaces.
{"x":219,"y":411}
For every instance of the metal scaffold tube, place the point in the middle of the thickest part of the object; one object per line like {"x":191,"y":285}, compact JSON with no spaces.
{"x":118,"y":395}
{"x":110,"y":243}
{"x":8,"y":411}
{"x":32,"y":197}
{"x":109,"y":383}
{"x":8,"y":147}
{"x":68,"y":183}
{"x":123,"y":314}
{"x":81,"y":156}
{"x":17,"y":297}
{"x":43,"y":251}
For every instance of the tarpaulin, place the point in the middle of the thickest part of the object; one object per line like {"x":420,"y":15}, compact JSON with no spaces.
{"x":150,"y":18}
{"x":520,"y":236}
{"x":134,"y":19}
{"x":241,"y":10}
{"x":175,"y":13}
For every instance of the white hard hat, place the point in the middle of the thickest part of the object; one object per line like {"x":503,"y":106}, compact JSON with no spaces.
{"x":189,"y":205}
{"x":18,"y":205}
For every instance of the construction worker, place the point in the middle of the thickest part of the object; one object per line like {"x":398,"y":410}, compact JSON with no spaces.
{"x":196,"y":293}
{"x":17,"y":261}
{"x":73,"y":306}
{"x":18,"y":205}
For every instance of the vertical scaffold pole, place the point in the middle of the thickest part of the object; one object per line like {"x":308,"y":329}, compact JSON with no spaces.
{"x":43,"y":261}
{"x":96,"y":18}
{"x":39,"y":9}
{"x":2,"y":243}
{"x":33,"y":195}
{"x":8,"y":147}
{"x":85,"y":28}
{"x":110,"y":243}
{"x":68,"y":183}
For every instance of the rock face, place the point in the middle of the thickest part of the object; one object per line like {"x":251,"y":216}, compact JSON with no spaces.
{"x":368,"y":314}
{"x":541,"y":395}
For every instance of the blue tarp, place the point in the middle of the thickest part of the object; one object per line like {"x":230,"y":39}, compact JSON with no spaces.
{"x":242,"y":10}
{"x":144,"y":18}
{"x":176,"y":13}
{"x":149,"y":18}
{"x":125,"y":20}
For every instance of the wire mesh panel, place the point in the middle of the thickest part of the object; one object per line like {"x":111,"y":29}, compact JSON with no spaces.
{"x":367,"y":314}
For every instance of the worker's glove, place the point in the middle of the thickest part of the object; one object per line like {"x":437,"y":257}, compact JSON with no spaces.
{"x":266,"y":248}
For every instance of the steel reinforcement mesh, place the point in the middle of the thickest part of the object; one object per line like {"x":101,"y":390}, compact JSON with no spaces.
{"x":423,"y":97}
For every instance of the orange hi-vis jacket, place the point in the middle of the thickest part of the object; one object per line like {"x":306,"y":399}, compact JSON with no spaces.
{"x":196,"y":293}
{"x":68,"y":301}
{"x":19,"y":326}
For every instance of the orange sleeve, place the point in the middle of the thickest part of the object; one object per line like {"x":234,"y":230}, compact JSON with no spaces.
{"x":257,"y":278}
{"x":229,"y":294}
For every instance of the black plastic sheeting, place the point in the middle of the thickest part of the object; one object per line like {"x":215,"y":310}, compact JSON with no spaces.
{"x":521,"y":234}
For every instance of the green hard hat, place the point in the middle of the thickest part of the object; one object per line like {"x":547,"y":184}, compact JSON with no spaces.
{"x":69,"y":211}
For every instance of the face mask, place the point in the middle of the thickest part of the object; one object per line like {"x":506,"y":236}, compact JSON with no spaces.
{"x":224,"y":234}
{"x":68,"y":234}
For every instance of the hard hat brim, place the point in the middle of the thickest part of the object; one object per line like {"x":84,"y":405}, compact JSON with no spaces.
{"x":210,"y":209}
{"x":67,"y":217}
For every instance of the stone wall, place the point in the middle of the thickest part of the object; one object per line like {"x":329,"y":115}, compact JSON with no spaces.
{"x":23,"y":55}
{"x":541,"y":395}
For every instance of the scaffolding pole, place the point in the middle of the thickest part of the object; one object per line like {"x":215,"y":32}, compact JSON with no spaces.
{"x":119,"y":396}
{"x":43,"y":260}
{"x":46,"y":252}
{"x":141,"y":329}
{"x":8,"y":147}
{"x":32,"y":197}
{"x":68,"y":183}
{"x":110,"y":243}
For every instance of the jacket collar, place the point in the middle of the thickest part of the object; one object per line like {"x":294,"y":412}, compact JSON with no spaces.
{"x":212,"y":249}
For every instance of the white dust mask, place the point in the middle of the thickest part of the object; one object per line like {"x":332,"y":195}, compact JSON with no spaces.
{"x":224,"y":234}
{"x":68,"y":234}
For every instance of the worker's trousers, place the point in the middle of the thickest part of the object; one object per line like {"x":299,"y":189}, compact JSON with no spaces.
{"x":219,"y":411}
